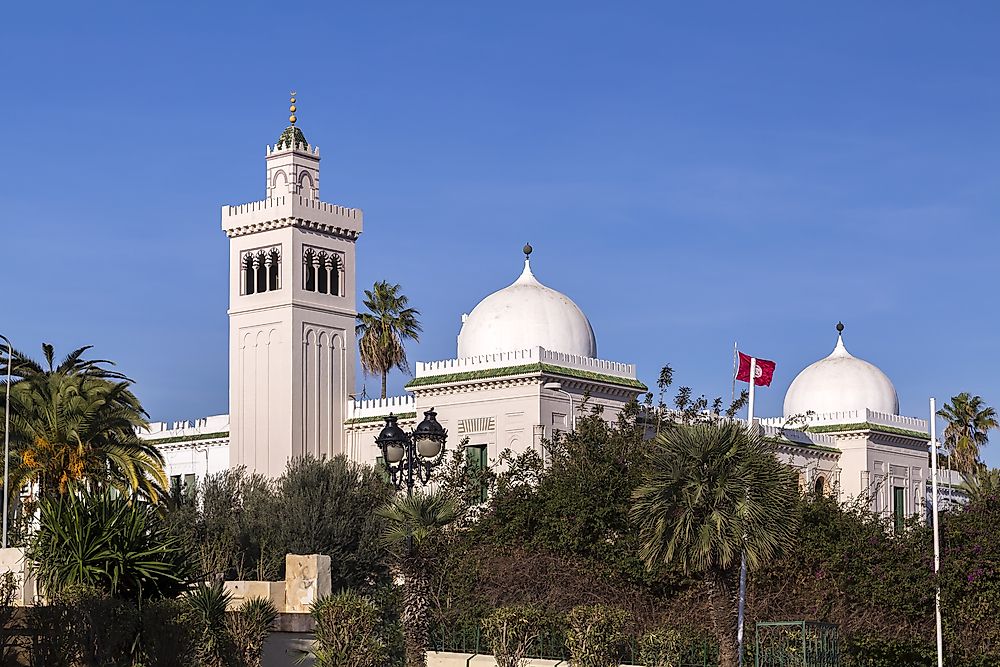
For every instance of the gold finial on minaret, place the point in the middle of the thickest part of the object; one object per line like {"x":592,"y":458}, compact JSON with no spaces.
{"x":291,"y":108}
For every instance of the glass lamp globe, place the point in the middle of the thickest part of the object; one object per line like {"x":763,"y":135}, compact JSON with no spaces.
{"x":429,"y":436}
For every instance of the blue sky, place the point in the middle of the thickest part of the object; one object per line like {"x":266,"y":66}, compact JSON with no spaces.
{"x":690,"y":173}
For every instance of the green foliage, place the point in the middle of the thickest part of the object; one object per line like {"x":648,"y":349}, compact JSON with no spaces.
{"x":511,"y":631}
{"x":241,"y":525}
{"x":109,"y":543}
{"x":711,"y":491}
{"x":663,"y":647}
{"x":382,"y":330}
{"x":84,"y":626}
{"x":168,"y":634}
{"x":248,"y":628}
{"x":349,"y":632}
{"x":969,"y":421}
{"x":595,"y":635}
{"x":412,"y":521}
{"x":207,"y":605}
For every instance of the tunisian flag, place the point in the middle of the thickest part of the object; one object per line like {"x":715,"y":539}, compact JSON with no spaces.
{"x":765,"y":371}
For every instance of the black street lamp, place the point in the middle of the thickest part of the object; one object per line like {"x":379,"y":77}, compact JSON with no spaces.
{"x":409,"y":458}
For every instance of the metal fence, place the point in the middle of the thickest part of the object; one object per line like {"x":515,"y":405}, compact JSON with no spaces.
{"x":797,"y":644}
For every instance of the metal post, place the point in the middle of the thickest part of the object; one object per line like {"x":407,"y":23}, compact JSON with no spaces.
{"x":6,"y":441}
{"x":937,"y":544}
{"x":741,"y":604}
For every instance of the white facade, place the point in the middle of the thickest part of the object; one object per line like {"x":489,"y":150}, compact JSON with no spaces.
{"x":291,"y":315}
{"x":525,"y":367}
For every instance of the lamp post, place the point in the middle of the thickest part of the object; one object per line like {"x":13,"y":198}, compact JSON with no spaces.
{"x":6,"y":438}
{"x":557,"y":387}
{"x":410,"y":458}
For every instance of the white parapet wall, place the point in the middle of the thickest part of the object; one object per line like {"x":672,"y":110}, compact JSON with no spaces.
{"x":534,"y":355}
{"x":850,"y":417}
{"x":380,"y":407}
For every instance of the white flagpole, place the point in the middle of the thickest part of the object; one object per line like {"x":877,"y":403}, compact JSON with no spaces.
{"x":937,"y":543}
{"x":741,"y":606}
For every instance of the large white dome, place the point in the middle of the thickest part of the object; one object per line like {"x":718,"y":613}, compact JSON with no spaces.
{"x":524,"y":315}
{"x":838,"y":383}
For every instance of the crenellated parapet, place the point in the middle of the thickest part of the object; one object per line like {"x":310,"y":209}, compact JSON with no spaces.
{"x":528,"y":356}
{"x":292,"y":211}
{"x":851,"y":418}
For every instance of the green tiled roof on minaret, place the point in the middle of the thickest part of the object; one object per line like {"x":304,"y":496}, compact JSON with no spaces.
{"x":292,"y":136}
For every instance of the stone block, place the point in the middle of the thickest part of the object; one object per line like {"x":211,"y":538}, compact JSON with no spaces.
{"x":307,"y":579}
{"x":12,"y":560}
{"x":242,"y":591}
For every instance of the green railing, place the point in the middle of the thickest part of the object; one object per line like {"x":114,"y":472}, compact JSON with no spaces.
{"x":797,"y":644}
{"x":552,"y":646}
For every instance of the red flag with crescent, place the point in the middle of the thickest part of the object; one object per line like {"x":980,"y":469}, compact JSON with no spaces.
{"x":764,"y":371}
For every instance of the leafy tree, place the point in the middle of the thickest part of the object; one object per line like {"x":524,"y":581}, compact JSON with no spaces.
{"x":969,"y":422}
{"x":382,"y":330}
{"x":107,"y":542}
{"x":411,"y":525}
{"x":711,"y":492}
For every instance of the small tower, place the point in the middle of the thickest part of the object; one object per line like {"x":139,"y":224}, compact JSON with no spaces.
{"x":291,"y":313}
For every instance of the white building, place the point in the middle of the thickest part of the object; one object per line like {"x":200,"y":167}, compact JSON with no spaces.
{"x":526,"y":361}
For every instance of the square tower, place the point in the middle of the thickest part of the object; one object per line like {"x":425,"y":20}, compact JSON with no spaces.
{"x":291,"y":314}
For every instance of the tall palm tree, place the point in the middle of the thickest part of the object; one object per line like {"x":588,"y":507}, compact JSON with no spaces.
{"x":382,"y":330}
{"x":709,"y":493}
{"x":969,"y":421}
{"x":411,"y":523}
{"x":76,"y":424}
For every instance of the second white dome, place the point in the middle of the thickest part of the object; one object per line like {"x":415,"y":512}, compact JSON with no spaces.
{"x":524,"y":315}
{"x":839,"y":383}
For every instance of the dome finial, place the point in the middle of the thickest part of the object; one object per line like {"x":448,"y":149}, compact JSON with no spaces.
{"x":527,"y":250}
{"x":840,"y":328}
{"x":291,"y":108}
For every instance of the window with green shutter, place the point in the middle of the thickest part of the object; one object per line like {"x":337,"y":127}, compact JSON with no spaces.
{"x":477,"y":458}
{"x":898,"y":508}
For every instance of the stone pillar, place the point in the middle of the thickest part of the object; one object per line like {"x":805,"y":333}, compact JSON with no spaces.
{"x":307,"y":579}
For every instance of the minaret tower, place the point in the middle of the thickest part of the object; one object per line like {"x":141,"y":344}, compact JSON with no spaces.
{"x":291,"y":313}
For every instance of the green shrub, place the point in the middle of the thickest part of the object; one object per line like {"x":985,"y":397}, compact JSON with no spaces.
{"x":109,"y":543}
{"x":248,"y":628}
{"x":168,"y":635}
{"x":348,"y":632}
{"x":84,"y":626}
{"x":595,"y":635}
{"x":511,"y":631}
{"x":206,"y":606}
{"x":661,"y":648}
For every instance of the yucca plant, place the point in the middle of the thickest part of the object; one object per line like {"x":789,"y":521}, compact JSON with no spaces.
{"x":248,"y":627}
{"x":107,"y":542}
{"x":207,"y":604}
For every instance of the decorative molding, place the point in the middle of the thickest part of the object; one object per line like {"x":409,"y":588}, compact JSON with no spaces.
{"x":188,"y":438}
{"x":281,"y":223}
{"x":867,"y":426}
{"x":526,"y":369}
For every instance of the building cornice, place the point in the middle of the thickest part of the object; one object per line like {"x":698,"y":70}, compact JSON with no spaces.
{"x":525,"y":370}
{"x":867,"y":426}
{"x":281,"y":223}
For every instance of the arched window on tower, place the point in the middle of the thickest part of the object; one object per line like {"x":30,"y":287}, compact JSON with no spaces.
{"x":248,"y":274}
{"x":321,"y":271}
{"x":260,"y":270}
{"x":820,"y":486}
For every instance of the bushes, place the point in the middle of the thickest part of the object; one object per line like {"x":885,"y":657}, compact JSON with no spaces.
{"x":661,"y":648}
{"x":511,"y":631}
{"x":107,"y":542}
{"x":349,"y":632}
{"x":233,"y":639}
{"x":595,"y":635}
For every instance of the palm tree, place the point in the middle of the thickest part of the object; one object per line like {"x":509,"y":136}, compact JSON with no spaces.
{"x":76,"y":424}
{"x":982,"y":485}
{"x":411,"y":523}
{"x":382,"y":330}
{"x":711,"y":492}
{"x":969,"y":421}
